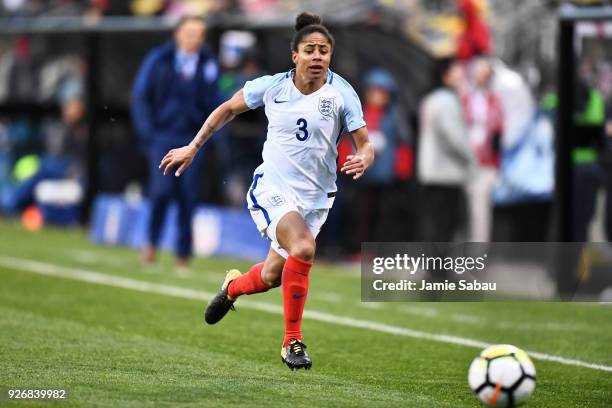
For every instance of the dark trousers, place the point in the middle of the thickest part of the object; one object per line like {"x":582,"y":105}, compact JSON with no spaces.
{"x":588,"y":179}
{"x":164,"y":189}
{"x":443,"y":213}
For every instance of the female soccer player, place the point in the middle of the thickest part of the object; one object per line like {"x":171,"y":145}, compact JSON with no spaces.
{"x":294,"y":188}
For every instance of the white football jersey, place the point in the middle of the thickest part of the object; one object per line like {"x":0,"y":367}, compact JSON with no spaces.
{"x":300,"y":152}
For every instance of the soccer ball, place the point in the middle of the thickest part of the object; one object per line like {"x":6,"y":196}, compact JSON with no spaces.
{"x":502,"y":376}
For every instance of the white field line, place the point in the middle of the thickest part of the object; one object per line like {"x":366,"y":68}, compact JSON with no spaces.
{"x":47,"y":269}
{"x":93,"y":257}
{"x":370,"y":305}
{"x":330,"y":297}
{"x":429,"y":312}
{"x":420,"y":311}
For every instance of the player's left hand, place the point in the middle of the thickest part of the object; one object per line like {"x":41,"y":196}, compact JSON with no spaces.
{"x":355,"y":164}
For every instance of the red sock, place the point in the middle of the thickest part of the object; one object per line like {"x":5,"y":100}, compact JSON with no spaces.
{"x":248,"y":283}
{"x":295,"y":289}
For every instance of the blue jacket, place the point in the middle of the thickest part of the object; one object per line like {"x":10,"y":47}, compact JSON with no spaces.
{"x":167,"y":107}
{"x":382,"y":171}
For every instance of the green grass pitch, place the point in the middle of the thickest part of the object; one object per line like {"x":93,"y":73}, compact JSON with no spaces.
{"x":122,"y":342}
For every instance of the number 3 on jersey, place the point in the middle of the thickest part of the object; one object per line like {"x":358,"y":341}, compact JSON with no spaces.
{"x":301,"y":122}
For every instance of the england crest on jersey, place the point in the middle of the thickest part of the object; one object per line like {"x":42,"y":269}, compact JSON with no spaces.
{"x":326,"y":106}
{"x":277,"y":200}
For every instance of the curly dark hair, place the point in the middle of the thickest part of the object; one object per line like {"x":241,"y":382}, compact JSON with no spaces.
{"x":308,"y":23}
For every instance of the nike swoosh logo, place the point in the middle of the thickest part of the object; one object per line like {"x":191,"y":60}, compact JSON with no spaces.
{"x":275,"y":101}
{"x":296,"y":296}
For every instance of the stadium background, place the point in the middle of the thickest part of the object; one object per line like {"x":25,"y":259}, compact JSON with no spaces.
{"x":52,"y":52}
{"x":105,"y":54}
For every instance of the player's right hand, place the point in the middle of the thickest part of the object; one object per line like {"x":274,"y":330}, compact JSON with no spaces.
{"x":182,"y":157}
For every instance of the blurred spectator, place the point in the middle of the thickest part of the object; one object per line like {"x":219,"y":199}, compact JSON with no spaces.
{"x":247,"y":132}
{"x":485,"y":126}
{"x":517,"y":102}
{"x":606,"y":164}
{"x":475,"y":39}
{"x":445,"y":158}
{"x":32,"y":8}
{"x":522,"y":195}
{"x":380,"y":110}
{"x":19,"y":8}
{"x":58,"y":73}
{"x":179,"y":8}
{"x":260,"y":7}
{"x":99,"y":8}
{"x":588,"y":174}
{"x":30,"y":74}
{"x":375,"y":189}
{"x":64,"y":149}
{"x":175,"y":89}
{"x":19,"y":68}
{"x":147,"y":7}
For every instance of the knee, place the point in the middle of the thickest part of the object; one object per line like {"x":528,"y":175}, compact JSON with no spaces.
{"x":304,"y":249}
{"x":271,"y":280}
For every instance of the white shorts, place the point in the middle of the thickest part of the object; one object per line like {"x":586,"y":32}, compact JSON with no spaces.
{"x":267,"y":204}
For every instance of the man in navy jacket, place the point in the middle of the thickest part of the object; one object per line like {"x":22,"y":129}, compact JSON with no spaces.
{"x":175,"y":90}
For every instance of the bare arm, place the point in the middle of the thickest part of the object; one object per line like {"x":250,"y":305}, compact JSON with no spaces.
{"x":357,"y":163}
{"x":227,"y":111}
{"x":183,"y":156}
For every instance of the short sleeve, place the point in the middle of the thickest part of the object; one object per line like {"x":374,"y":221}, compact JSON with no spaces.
{"x":254,"y":90}
{"x":352,"y":114}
